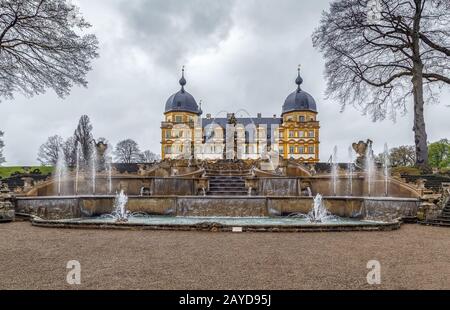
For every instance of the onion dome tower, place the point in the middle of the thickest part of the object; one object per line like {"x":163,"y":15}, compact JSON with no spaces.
{"x":182,"y":101}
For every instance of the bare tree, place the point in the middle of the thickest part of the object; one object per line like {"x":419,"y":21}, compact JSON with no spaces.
{"x":381,"y":53}
{"x":41,"y":47}
{"x":148,"y":157}
{"x":83,"y":137}
{"x":69,"y":148}
{"x":2,"y":145}
{"x":49,"y":151}
{"x":127,"y":151}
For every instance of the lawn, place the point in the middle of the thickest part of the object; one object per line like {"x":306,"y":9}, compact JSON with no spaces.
{"x":6,"y":172}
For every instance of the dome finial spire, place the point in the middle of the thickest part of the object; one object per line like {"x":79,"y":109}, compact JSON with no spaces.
{"x":299,"y":79}
{"x":182,"y":80}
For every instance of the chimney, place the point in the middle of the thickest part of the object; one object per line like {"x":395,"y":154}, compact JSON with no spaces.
{"x":259,"y":115}
{"x":208,"y":116}
{"x":274,"y":116}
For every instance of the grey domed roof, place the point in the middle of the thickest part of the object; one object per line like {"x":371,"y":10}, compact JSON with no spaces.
{"x":182,"y":101}
{"x":299,"y":100}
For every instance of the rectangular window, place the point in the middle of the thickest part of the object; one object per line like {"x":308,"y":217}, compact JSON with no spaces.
{"x":281,"y":150}
{"x":178,"y":119}
{"x":291,"y":150}
{"x":291,"y":134}
{"x":301,"y":150}
{"x":302,"y":134}
{"x":168,"y":134}
{"x":311,"y":149}
{"x":311,"y":134}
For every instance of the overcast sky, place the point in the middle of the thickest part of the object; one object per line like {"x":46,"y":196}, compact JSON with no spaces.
{"x":238,"y":55}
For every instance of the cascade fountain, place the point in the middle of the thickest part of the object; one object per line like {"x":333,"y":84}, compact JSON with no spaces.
{"x":61,"y":170}
{"x":281,"y":202}
{"x":386,"y":163}
{"x":334,"y":170}
{"x":370,"y":168}
{"x":350,"y":171}
{"x":94,"y":165}
{"x":77,"y":166}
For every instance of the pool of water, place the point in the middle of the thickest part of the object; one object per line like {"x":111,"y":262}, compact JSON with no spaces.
{"x":226,"y":221}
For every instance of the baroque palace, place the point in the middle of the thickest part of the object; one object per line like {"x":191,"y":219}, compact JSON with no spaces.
{"x":186,"y":134}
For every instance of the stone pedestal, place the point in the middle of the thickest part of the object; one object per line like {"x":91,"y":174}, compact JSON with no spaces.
{"x":7,"y":213}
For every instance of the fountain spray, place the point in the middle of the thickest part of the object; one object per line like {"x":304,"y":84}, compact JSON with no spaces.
{"x":94,"y":165}
{"x":77,"y":167}
{"x":319,"y":212}
{"x":120,"y":212}
{"x":370,"y":168}
{"x":350,"y":171}
{"x":334,"y":170}
{"x":386,"y":164}
{"x":61,"y":168}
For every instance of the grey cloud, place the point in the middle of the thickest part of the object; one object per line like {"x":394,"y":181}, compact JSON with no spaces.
{"x":240,"y":54}
{"x":171,"y":30}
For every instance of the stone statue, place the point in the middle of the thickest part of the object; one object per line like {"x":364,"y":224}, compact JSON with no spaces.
{"x":361,"y":150}
{"x":4,"y":189}
{"x":232,"y":120}
{"x":101,"y":148}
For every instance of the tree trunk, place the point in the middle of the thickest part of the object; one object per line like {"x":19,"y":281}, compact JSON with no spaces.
{"x":420,"y":134}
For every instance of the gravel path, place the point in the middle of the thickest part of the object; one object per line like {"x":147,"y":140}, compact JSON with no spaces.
{"x":414,"y":257}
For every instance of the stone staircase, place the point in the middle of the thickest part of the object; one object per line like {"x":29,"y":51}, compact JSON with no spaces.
{"x":443,"y":219}
{"x":432,"y":182}
{"x":227,"y":183}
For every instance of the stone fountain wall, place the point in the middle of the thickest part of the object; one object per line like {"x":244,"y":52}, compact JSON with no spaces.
{"x":290,"y":186}
{"x":389,"y":209}
{"x":7,"y":213}
{"x":52,"y":209}
{"x":88,"y":206}
{"x":132,"y":185}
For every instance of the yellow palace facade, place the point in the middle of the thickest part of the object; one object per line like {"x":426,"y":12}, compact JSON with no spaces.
{"x":186,"y":134}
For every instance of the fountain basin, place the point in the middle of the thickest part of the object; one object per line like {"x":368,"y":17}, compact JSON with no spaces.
{"x":225,"y":224}
{"x":56,"y":208}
